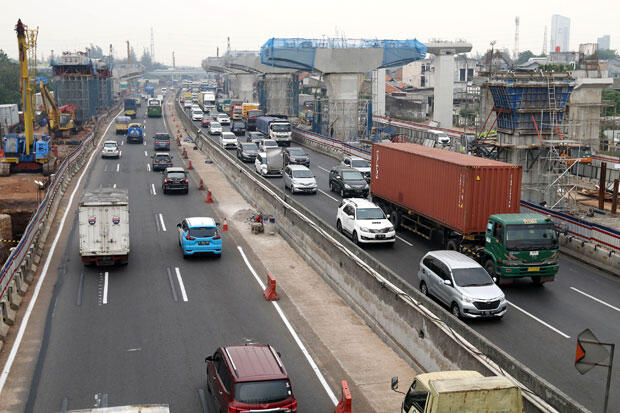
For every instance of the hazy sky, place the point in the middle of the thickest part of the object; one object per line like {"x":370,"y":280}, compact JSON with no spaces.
{"x":194,"y":29}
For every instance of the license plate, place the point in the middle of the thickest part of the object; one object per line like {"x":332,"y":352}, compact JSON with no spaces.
{"x":380,"y":236}
{"x":532,"y":269}
{"x":203,"y":242}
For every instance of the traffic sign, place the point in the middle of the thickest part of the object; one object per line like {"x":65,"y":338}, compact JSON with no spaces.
{"x":590,"y":352}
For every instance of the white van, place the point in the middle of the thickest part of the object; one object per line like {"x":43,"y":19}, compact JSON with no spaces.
{"x":439,"y":137}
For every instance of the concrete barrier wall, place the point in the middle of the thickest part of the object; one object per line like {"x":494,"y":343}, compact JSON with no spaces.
{"x":416,"y":327}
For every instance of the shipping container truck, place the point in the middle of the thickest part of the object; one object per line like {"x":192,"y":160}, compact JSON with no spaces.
{"x":245,"y":107}
{"x":130,"y":108}
{"x":275,"y":128}
{"x":460,"y":391}
{"x":471,"y":204}
{"x":149,"y":90}
{"x":104,"y":226}
{"x":135,"y":133}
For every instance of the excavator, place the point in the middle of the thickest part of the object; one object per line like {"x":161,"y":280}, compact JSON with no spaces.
{"x":25,"y":153}
{"x":61,"y":121}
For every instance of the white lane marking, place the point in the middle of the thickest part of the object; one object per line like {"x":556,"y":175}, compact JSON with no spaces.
{"x":144,"y":143}
{"x":320,"y":167}
{"x":161,"y":221}
{"x":405,"y":241}
{"x":120,"y":153}
{"x":596,"y":299}
{"x":288,"y":325}
{"x":105,"y":288}
{"x":539,"y":320}
{"x":122,"y":143}
{"x":114,"y":186}
{"x":118,"y":167}
{"x":146,"y":153}
{"x":181,"y":285}
{"x":327,"y":195}
{"x":148,"y":167}
{"x":153,"y":189}
{"x":22,"y":328}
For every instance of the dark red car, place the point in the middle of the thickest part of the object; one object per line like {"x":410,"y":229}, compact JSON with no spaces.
{"x":205,"y":122}
{"x":249,"y":377}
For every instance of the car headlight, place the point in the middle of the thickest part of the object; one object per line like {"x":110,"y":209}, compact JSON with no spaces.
{"x":364,"y":229}
{"x":347,"y":186}
{"x":468,"y":299}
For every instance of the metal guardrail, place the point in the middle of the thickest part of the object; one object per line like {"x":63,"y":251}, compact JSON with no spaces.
{"x":19,"y":253}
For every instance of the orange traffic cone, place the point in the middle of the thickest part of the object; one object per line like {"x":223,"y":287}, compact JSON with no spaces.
{"x":225,"y":226}
{"x":201,"y":186}
{"x":184,"y":153}
{"x":209,"y":200}
{"x":190,"y":165}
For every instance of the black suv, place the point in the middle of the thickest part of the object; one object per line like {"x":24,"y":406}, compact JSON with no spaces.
{"x":255,"y":137}
{"x":161,"y":142}
{"x":246,"y":151}
{"x":174,"y":179}
{"x":161,"y":161}
{"x":296,"y":155}
{"x":348,"y":182}
{"x":237,"y":127}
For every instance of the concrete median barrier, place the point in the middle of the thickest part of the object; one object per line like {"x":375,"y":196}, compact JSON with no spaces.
{"x":422,"y":332}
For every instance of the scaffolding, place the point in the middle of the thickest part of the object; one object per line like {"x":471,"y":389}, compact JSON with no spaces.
{"x":278,"y":94}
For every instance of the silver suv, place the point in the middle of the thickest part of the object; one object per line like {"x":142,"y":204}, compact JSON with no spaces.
{"x":462,"y":284}
{"x":299,"y":179}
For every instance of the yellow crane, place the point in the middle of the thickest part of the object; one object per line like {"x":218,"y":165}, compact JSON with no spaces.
{"x":60,"y":121}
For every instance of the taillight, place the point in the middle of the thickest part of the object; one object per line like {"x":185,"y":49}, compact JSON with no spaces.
{"x":233,"y":410}
{"x":165,"y":180}
{"x":189,"y":237}
{"x":217,"y":235}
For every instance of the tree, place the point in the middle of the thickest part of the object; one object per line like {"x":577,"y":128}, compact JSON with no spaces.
{"x":607,"y":54}
{"x":9,"y":80}
{"x":525,"y":56}
{"x":612,"y":96}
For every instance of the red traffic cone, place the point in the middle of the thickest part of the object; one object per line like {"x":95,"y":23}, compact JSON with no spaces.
{"x":184,"y":153}
{"x":202,"y":185}
{"x":208,"y":199}
{"x":225,"y":226}
{"x":190,"y":165}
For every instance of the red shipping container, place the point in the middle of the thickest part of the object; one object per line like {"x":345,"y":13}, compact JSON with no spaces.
{"x":455,"y":190}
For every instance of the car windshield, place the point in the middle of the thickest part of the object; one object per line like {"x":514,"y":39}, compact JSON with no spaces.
{"x":302,"y":173}
{"x":471,"y":277}
{"x":267,"y":143}
{"x":162,"y":138}
{"x":162,"y":158}
{"x":176,"y":175}
{"x":238,"y":125}
{"x":214,"y":125}
{"x":222,"y":116}
{"x":269,"y":391}
{"x":202,"y":232}
{"x":110,"y":145}
{"x":228,"y":135}
{"x":352,"y":176}
{"x":256,"y":135}
{"x":297,"y":152}
{"x":531,"y":237}
{"x":370,"y":213}
{"x":249,"y":147}
{"x":359,"y":163}
{"x":281,"y":127}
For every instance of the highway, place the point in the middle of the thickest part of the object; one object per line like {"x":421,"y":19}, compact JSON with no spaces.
{"x":541,"y":326}
{"x":139,"y":333}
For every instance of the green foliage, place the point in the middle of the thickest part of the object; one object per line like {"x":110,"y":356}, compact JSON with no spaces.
{"x":526,"y":55}
{"x":9,"y":80}
{"x":612,"y":96}
{"x":556,"y":67}
{"x":607,"y":54}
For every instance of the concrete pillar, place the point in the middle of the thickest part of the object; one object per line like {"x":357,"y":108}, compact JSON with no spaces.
{"x":280,"y":94}
{"x":378,"y":92}
{"x":242,"y":86}
{"x":342,"y":94}
{"x":444,"y":89}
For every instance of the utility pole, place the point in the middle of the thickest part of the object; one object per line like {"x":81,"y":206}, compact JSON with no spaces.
{"x":128,"y":53}
{"x":491,"y":65}
{"x":173,"y":62}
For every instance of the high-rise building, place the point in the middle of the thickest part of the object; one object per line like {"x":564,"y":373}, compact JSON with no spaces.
{"x":603,"y":42}
{"x":560,"y":33}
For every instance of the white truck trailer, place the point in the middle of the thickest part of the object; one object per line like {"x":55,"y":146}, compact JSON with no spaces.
{"x":104,"y":226}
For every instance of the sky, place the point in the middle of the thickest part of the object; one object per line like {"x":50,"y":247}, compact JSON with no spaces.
{"x":195,"y":29}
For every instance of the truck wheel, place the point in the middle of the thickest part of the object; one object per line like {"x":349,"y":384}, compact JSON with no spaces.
{"x":451,"y":245}
{"x":339,"y":226}
{"x":423,"y":288}
{"x":354,"y":238}
{"x":395,"y":219}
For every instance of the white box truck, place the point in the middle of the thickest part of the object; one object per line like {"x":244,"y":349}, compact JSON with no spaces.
{"x":104,"y":226}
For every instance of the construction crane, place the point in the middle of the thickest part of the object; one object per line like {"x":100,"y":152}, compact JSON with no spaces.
{"x":26,"y":153}
{"x":61,"y":121}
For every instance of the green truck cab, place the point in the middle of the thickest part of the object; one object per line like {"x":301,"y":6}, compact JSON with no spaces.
{"x":460,"y":391}
{"x":521,"y":245}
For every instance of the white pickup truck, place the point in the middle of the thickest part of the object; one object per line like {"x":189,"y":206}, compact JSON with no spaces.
{"x":104,"y":226}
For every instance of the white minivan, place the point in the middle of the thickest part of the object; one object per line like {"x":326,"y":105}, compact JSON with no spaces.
{"x":197,"y":114}
{"x":439,"y":137}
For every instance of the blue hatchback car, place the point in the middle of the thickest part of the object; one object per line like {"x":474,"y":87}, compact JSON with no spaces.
{"x":199,"y":235}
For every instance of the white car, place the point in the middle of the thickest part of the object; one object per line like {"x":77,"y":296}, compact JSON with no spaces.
{"x":299,"y":178}
{"x":187,"y":104}
{"x":197,"y":114}
{"x":360,"y":164}
{"x":267,"y":143}
{"x":196,"y":107}
{"x":223,"y":119}
{"x":364,"y":222}
{"x":228,"y":140}
{"x":110,"y":150}
{"x":215,"y":128}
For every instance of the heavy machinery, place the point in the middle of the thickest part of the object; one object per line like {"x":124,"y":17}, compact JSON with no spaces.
{"x":26,"y":153}
{"x":61,"y":121}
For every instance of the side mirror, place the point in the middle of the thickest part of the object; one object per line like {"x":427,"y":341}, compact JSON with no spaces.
{"x":447,"y":282}
{"x":351,"y":216}
{"x":388,"y":216}
{"x":494,"y":279}
{"x":208,"y":358}
{"x":394,"y":383}
{"x":178,"y":225}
